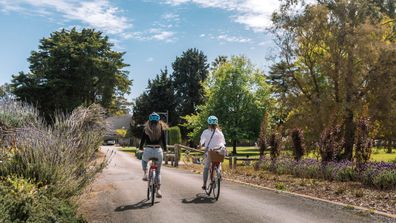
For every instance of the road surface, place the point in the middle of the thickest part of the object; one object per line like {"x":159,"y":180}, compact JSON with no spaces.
{"x":118,"y":195}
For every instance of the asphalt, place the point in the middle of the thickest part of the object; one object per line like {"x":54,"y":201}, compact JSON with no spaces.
{"x":118,"y":195}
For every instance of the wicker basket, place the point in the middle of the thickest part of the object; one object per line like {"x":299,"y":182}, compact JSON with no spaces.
{"x":215,"y":156}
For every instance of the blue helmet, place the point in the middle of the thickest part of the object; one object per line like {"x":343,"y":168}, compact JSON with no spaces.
{"x":154,"y":117}
{"x":212,"y":120}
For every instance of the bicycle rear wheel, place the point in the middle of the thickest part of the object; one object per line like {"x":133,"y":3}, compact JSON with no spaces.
{"x":149,"y":187}
{"x":153,"y":188}
{"x":208,"y":189}
{"x":216,"y":184}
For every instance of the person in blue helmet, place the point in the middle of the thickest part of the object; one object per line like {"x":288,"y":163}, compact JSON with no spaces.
{"x":212,"y":138}
{"x":153,"y":141}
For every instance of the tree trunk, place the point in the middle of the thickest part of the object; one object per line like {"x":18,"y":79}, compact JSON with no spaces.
{"x":234,"y":143}
{"x":349,"y":133}
{"x":389,"y":146}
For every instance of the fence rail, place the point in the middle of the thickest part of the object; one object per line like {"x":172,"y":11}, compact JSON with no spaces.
{"x":174,"y":154}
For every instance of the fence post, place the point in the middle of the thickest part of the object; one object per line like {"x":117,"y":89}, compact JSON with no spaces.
{"x":235,"y":162}
{"x":230,"y":161}
{"x":166,"y":158}
{"x":176,"y":155}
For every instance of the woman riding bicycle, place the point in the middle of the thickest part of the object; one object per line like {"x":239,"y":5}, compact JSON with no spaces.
{"x":153,"y":138}
{"x":212,"y":139}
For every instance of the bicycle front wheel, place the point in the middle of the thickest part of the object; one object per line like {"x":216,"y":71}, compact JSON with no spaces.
{"x":216,"y":184}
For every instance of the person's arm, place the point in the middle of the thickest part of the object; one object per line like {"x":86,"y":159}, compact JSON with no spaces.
{"x":163,"y":140}
{"x":202,"y":140}
{"x":143,"y":140}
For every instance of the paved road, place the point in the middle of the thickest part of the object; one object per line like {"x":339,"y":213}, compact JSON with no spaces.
{"x":118,"y":195}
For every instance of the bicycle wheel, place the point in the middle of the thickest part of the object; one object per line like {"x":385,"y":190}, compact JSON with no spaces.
{"x":149,"y":187}
{"x":153,"y":188}
{"x":208,"y":189}
{"x":216,"y":184}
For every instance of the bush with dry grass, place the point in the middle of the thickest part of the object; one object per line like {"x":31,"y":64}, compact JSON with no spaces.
{"x":60,"y":157}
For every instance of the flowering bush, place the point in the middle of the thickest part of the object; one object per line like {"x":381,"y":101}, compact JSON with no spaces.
{"x":379,"y":175}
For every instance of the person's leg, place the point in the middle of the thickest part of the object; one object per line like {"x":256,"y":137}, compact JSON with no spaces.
{"x":160,"y":156}
{"x":144,"y":163}
{"x":206,"y":171}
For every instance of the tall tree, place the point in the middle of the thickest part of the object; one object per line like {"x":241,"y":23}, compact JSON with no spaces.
{"x":329,"y":51}
{"x":72,"y":68}
{"x":238,"y":95}
{"x":159,"y":97}
{"x":189,"y":71}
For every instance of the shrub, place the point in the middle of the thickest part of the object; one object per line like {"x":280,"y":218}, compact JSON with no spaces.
{"x":262,"y":142}
{"x":330,"y":143}
{"x":297,"y":136}
{"x":363,"y":147}
{"x":23,"y":201}
{"x":274,"y":144}
{"x":280,"y":186}
{"x":61,"y":156}
{"x":174,"y":135}
{"x":380,"y":175}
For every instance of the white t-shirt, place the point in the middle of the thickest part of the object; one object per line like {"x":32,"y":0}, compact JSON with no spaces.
{"x":217,"y":140}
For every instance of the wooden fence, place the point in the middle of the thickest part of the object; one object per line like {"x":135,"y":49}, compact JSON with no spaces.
{"x":174,"y":153}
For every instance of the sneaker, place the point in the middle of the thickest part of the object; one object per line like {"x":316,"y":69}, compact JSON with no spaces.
{"x":145,"y":177}
{"x":159,"y":194}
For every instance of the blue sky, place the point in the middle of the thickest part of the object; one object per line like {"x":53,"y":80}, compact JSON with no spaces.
{"x":151,"y":32}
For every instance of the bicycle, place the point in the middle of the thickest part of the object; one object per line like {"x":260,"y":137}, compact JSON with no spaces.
{"x":152,"y":184}
{"x":215,"y":174}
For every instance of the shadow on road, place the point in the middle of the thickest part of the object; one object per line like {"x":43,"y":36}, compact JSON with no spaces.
{"x":143,"y":204}
{"x":200,"y":198}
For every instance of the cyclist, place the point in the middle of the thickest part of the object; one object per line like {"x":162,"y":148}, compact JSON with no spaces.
{"x":153,"y":140}
{"x":212,"y":139}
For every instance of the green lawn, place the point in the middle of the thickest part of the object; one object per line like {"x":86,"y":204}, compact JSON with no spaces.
{"x":379,"y":154}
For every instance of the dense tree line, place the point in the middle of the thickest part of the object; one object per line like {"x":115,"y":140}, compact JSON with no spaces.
{"x":179,"y":93}
{"x":73,"y":68}
{"x":337,"y":64}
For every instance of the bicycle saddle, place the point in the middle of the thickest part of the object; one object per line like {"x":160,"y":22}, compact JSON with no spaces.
{"x":153,"y":159}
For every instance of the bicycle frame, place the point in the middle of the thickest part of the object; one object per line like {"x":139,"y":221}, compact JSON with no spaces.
{"x":152,"y":185}
{"x":213,"y":165}
{"x":214,"y":186}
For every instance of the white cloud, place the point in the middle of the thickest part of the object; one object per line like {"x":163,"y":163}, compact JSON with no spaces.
{"x":233,"y":39}
{"x":162,"y":35}
{"x":255,"y":14}
{"x":150,"y":59}
{"x":202,"y":35}
{"x":98,"y":14}
{"x":171,"y":17}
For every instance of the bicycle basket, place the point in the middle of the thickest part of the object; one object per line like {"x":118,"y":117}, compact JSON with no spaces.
{"x":215,"y":156}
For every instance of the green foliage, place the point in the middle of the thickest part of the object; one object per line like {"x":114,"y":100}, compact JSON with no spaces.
{"x":383,"y":180}
{"x":73,"y":68}
{"x":280,"y":186}
{"x":121,"y":132}
{"x":174,"y":135}
{"x":238,"y":95}
{"x":159,"y":97}
{"x":336,"y":58}
{"x":23,"y":201}
{"x":190,"y":70}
